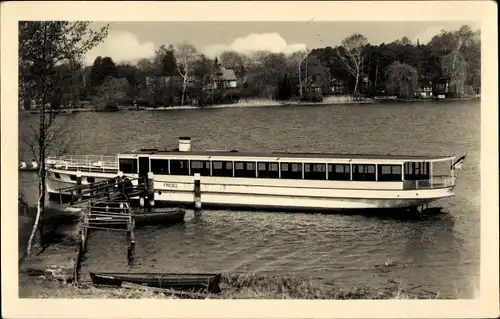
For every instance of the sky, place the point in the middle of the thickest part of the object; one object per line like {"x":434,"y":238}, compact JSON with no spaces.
{"x":131,"y":41}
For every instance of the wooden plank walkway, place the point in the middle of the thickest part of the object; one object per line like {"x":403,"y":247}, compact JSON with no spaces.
{"x":112,"y":189}
{"x":111,"y":215}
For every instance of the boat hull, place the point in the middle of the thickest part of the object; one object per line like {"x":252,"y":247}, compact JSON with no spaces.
{"x":176,"y":281}
{"x":282,"y":195}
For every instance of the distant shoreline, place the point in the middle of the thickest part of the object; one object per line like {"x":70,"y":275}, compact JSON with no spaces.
{"x":254,"y":103}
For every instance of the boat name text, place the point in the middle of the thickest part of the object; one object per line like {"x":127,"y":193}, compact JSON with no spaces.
{"x":170,"y":185}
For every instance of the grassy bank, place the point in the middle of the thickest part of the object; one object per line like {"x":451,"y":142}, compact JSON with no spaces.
{"x":234,"y":286}
{"x":327,"y":100}
{"x":61,"y":228}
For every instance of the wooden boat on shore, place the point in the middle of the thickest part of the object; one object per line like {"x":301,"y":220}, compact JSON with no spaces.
{"x":178,"y":281}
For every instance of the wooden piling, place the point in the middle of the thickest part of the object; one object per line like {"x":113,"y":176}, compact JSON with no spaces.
{"x":151,"y":190}
{"x":120,"y":180}
{"x":197,"y":191}
{"x":79,"y":183}
{"x":131,"y":239}
{"x":82,"y":244}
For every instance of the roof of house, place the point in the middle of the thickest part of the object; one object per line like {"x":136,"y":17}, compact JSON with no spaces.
{"x":228,"y":74}
{"x":424,"y":82}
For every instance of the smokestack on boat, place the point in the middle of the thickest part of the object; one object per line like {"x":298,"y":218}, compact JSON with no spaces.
{"x":184,"y":144}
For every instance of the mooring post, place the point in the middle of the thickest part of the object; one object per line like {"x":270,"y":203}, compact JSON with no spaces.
{"x":141,"y":203}
{"x":131,"y":237}
{"x":79,"y":183}
{"x":109,"y":188}
{"x":197,"y":191}
{"x":84,"y":236}
{"x":151,"y":190}
{"x":120,"y":182}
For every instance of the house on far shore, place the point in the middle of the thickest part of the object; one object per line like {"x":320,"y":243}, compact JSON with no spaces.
{"x":151,"y":81}
{"x":222,"y":78}
{"x":424,"y":89}
{"x":440,"y":87}
{"x":337,"y":86}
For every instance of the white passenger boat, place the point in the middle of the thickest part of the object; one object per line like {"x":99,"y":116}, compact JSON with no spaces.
{"x":302,"y":181}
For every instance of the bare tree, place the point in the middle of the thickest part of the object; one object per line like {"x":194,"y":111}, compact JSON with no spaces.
{"x":110,"y":92}
{"x":456,"y":63}
{"x":298,"y":58}
{"x":401,"y":79}
{"x":353,"y":57}
{"x":185,"y":55}
{"x":452,"y":47}
{"x":42,"y":46}
{"x":233,"y":60}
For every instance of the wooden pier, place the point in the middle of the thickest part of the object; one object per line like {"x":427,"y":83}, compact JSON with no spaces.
{"x":110,"y":215}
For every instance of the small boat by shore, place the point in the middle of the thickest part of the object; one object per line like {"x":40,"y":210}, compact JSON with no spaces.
{"x":179,"y":281}
{"x":157,"y":217}
{"x":165,"y":216}
{"x":24,"y":167}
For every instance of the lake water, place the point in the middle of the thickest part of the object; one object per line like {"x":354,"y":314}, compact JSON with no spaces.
{"x":437,"y":253}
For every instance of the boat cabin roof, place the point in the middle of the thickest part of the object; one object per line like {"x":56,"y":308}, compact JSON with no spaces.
{"x":282,"y":156}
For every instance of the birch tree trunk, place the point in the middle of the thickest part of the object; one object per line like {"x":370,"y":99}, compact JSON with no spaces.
{"x":185,"y":55}
{"x":300,"y":80}
{"x":42,"y":46}
{"x":40,"y":207}
{"x":354,"y":46}
{"x":184,"y":85}
{"x":356,"y":85}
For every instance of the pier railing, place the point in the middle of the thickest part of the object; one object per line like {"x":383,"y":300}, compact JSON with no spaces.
{"x":434,"y":182}
{"x":110,"y":189}
{"x":85,"y":163}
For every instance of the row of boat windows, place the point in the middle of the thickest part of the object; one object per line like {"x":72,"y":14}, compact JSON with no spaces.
{"x":90,"y":179}
{"x":311,"y":171}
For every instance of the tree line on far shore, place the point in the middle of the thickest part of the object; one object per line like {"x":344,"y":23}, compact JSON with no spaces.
{"x":180,"y":75}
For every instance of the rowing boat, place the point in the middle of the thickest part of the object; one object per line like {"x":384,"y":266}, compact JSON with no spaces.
{"x":178,"y":281}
